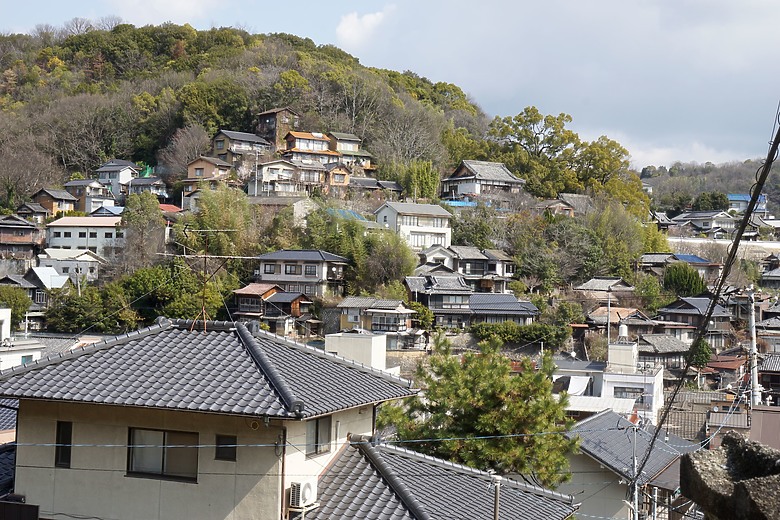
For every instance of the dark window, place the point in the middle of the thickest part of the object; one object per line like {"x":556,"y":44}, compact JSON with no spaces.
{"x":120,"y":234}
{"x":27,"y":359}
{"x":66,"y":234}
{"x":311,"y":270}
{"x":318,"y":436}
{"x":269,"y":268}
{"x":57,"y":234}
{"x":292,"y":269}
{"x":226,"y":447}
{"x":65,"y":270}
{"x":163,"y":454}
{"x":82,"y":234}
{"x":109,"y":235}
{"x":93,"y":234}
{"x":63,"y":444}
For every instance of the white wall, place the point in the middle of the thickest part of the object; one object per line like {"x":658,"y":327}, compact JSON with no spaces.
{"x":368,"y":349}
{"x":597,"y":488}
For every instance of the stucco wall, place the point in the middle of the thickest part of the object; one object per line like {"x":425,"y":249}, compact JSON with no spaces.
{"x":597,"y":488}
{"x":97,"y":484}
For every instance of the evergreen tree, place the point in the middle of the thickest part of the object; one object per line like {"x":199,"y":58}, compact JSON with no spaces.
{"x":683,"y":280}
{"x":476,"y":412}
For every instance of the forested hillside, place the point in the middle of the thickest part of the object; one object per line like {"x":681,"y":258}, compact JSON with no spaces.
{"x":73,"y":97}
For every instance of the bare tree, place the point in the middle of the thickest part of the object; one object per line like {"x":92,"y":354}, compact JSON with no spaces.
{"x":186,"y":145}
{"x":76,"y":26}
{"x":47,"y":34}
{"x":108,"y":23}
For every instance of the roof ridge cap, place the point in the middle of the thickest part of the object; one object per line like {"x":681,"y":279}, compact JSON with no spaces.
{"x":270,"y":371}
{"x":514,"y":483}
{"x":366,"y":448}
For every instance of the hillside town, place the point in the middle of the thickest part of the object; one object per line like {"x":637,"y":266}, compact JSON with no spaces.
{"x":276,"y":405}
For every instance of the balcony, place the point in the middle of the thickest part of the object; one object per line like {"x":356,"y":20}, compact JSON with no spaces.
{"x":388,"y":327}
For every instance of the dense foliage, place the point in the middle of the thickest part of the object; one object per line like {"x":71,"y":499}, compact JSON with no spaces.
{"x":683,"y":280}
{"x":476,"y":412}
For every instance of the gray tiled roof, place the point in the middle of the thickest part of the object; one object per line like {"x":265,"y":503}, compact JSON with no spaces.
{"x":57,"y":194}
{"x":769,"y":323}
{"x":176,"y":365}
{"x":497,"y":303}
{"x":7,"y":467}
{"x":661,"y":344}
{"x":604,"y":284}
{"x":244,"y":136}
{"x":408,"y":208}
{"x":437,"y":284}
{"x":146,"y":181}
{"x":467,"y":253}
{"x":8,"y":411}
{"x":697,"y":306}
{"x":383,"y":482}
{"x":582,"y":204}
{"x":608,"y":438}
{"x":491,"y":171}
{"x":497,"y":254}
{"x":304,"y":255}
{"x":363,"y":302}
{"x":285,"y":297}
{"x":116,"y":165}
{"x":17,"y":279}
{"x":771,"y":363}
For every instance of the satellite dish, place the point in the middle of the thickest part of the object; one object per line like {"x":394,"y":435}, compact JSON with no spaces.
{"x":715,"y":409}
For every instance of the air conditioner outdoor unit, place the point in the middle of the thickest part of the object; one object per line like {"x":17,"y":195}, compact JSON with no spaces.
{"x":304,"y":493}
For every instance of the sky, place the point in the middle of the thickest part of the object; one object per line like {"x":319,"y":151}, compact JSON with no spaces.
{"x":671,"y":80}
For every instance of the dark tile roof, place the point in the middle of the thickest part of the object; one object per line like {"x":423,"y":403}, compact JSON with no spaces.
{"x":608,"y":438}
{"x":116,"y":165}
{"x":467,"y":253}
{"x":771,"y":363}
{"x":437,"y":284}
{"x":304,"y":255}
{"x":488,"y":171}
{"x":7,"y":467}
{"x":497,"y":303}
{"x":605,"y":284}
{"x":244,"y":136}
{"x":497,"y":254}
{"x":697,"y":306}
{"x":342,"y":136}
{"x":8,"y":410}
{"x":176,"y":365}
{"x":17,"y":279}
{"x":146,"y":181}
{"x":32,"y":207}
{"x":213,"y":160}
{"x":660,"y":344}
{"x":383,"y":482}
{"x":57,"y":194}
{"x":83,"y":182}
{"x":286,"y":297}
{"x":409,"y":208}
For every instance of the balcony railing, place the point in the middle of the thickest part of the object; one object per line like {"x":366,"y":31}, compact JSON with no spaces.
{"x":388,"y":327}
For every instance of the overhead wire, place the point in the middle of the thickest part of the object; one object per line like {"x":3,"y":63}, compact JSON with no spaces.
{"x":701,"y":332}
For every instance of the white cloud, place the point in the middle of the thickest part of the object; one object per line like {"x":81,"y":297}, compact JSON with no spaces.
{"x":354,"y":30}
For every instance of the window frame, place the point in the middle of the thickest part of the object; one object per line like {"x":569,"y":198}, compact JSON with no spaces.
{"x":164,"y":447}
{"x":63,"y":447}
{"x":225,"y":447}
{"x":318,"y":438}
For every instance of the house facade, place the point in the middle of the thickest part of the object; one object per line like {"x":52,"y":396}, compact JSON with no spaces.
{"x":19,"y":238}
{"x":480,"y":178}
{"x":54,"y":201}
{"x":207,"y":170}
{"x":309,"y":146}
{"x":239,"y":147}
{"x":101,"y":235}
{"x":389,"y":317}
{"x":90,"y":193}
{"x":420,"y":225}
{"x":154,"y":185}
{"x":348,"y":145}
{"x":691,"y":311}
{"x":77,"y":264}
{"x":273,"y":125}
{"x":446,"y":296}
{"x":115,"y":174}
{"x":312,"y":272}
{"x":190,"y":449}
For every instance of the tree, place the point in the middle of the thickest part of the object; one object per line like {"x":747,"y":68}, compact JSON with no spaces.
{"x":17,"y":300}
{"x":186,"y":145}
{"x":478,"y":227}
{"x":476,"y":412}
{"x":388,"y":259}
{"x":144,"y":231}
{"x":711,"y":200}
{"x":683,"y":280}
{"x":699,"y":354}
{"x":424,"y":316}
{"x":99,"y":310}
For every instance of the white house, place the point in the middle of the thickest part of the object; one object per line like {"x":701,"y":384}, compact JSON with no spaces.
{"x":420,"y":225}
{"x":74,"y":263}
{"x":116,"y":173}
{"x":101,"y":235}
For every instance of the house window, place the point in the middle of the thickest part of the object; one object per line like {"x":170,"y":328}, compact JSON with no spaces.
{"x":628,"y":392}
{"x":66,"y":234}
{"x":221,"y":144}
{"x":293,"y":288}
{"x":163,"y":454}
{"x":310,"y":270}
{"x":65,"y":270}
{"x":40,"y":296}
{"x":108,"y":234}
{"x":292,"y":269}
{"x":318,"y":436}
{"x":63,"y":441}
{"x":225,"y":447}
{"x":57,"y":234}
{"x":269,"y":268}
{"x":120,"y":234}
{"x":82,"y":234}
{"x":198,"y":172}
{"x":93,"y":234}
{"x":18,"y":232}
{"x":93,"y":249}
{"x":339,"y":178}
{"x":309,"y":289}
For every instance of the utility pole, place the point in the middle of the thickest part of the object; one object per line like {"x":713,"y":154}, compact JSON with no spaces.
{"x":496,"y":494}
{"x":755,"y":391}
{"x":609,"y":313}
{"x":635,"y":484}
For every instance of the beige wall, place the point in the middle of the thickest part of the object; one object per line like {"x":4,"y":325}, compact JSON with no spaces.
{"x":97,"y":483}
{"x":597,"y":488}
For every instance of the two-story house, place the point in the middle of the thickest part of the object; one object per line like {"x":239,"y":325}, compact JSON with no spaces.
{"x":101,"y":235}
{"x":37,"y":281}
{"x":274,"y":125}
{"x":487,"y":270}
{"x":692,"y":311}
{"x":77,"y":264}
{"x":91,"y":194}
{"x":239,"y":147}
{"x":446,"y":296}
{"x":312,"y":272}
{"x":337,"y":177}
{"x":277,"y":177}
{"x":500,"y":308}
{"x":19,"y":238}
{"x":33,"y":212}
{"x":154,"y":185}
{"x":289,"y":314}
{"x":656,"y":264}
{"x":201,"y":419}
{"x":739,"y":202}
{"x":115,"y":174}
{"x":309,"y":146}
{"x":480,"y":178}
{"x":209,"y":171}
{"x":712,"y":224}
{"x":54,"y":201}
{"x":348,"y":145}
{"x":389,"y":317}
{"x":249,"y":301}
{"x":420,"y":225}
